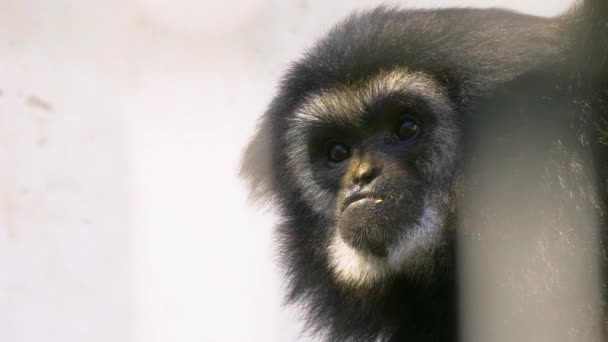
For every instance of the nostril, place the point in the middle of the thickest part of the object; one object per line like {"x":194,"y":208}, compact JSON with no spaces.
{"x":367,"y":177}
{"x":366,"y":174}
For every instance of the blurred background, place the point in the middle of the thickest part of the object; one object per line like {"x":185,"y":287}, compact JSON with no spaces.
{"x":121,"y":127}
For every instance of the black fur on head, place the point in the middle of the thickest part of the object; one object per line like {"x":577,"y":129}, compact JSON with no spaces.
{"x":364,"y":152}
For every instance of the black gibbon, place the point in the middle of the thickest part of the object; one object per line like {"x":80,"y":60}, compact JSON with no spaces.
{"x":402,"y":132}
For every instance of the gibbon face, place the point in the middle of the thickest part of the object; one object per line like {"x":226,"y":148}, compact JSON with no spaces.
{"x":377,"y":159}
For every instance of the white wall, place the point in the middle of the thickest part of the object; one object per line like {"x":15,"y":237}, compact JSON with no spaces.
{"x":121,"y":125}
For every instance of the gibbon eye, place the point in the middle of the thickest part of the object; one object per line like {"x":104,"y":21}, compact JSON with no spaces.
{"x":338,"y":153}
{"x":408,"y":130}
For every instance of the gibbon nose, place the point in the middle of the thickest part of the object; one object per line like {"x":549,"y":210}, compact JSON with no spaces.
{"x":365,"y":173}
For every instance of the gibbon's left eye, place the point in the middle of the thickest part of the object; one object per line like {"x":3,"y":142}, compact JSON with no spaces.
{"x":408,"y":130}
{"x":338,"y":153}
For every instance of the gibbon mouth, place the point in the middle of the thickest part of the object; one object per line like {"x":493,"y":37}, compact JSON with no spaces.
{"x":360,"y":197}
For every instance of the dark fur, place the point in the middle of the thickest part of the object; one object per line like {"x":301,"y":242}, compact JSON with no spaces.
{"x":513,"y":77}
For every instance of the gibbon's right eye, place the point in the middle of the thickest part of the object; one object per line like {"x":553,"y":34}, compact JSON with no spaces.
{"x":338,"y":153}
